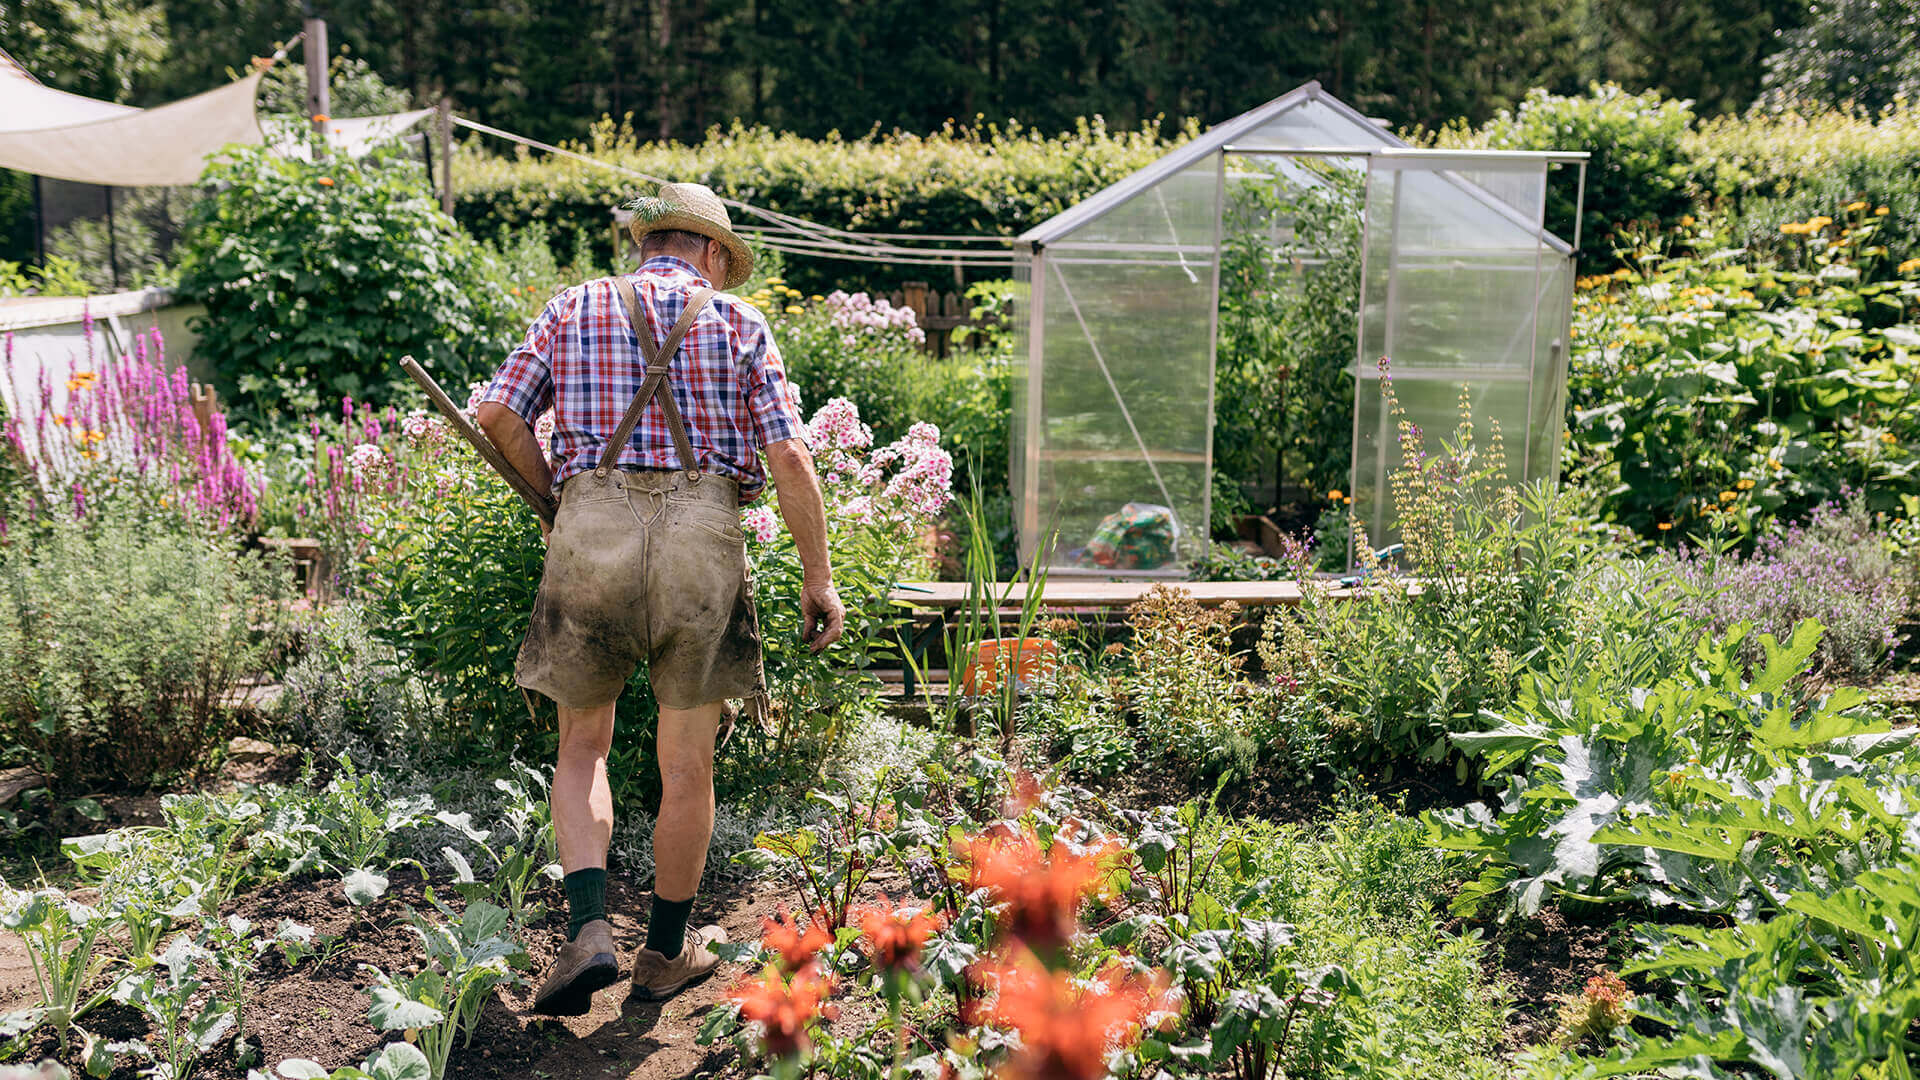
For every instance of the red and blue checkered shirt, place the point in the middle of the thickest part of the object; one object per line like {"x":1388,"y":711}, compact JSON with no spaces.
{"x":581,"y":358}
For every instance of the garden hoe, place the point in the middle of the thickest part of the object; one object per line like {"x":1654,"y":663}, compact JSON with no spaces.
{"x":543,"y":504}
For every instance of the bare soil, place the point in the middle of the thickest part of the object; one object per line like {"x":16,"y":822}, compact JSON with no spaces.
{"x":1542,"y":960}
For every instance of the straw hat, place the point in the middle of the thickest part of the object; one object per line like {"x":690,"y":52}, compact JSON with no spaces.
{"x":693,"y":208}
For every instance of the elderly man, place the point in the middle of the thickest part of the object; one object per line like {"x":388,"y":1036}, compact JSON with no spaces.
{"x":665,"y":393}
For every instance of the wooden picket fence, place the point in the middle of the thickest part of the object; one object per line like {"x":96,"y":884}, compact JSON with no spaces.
{"x":940,"y":314}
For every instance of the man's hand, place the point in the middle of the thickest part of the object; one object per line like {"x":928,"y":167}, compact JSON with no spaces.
{"x":822,"y":616}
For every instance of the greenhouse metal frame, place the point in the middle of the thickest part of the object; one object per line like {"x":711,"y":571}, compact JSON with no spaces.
{"x":1461,"y":284}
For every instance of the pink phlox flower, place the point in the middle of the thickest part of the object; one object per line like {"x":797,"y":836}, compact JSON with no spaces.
{"x":760,"y":523}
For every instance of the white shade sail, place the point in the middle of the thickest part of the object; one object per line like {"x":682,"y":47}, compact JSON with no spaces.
{"x":354,"y":136}
{"x":51,"y":133}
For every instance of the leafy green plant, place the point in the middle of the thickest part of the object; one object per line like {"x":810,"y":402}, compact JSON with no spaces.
{"x":522,"y":851}
{"x":1184,"y":682}
{"x":1712,"y":790}
{"x":62,"y":938}
{"x":317,"y":275}
{"x":181,"y":1034}
{"x":199,"y":857}
{"x":235,"y":951}
{"x":394,"y":1061}
{"x":1283,"y":389}
{"x":348,"y":828}
{"x":1495,"y":577}
{"x":58,"y":276}
{"x":469,"y":956}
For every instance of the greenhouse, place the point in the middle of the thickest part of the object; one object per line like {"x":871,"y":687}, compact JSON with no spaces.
{"x":1454,"y":284}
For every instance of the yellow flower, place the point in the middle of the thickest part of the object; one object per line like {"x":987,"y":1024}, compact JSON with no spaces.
{"x":1855,"y":207}
{"x":1880,"y":211}
{"x":816,"y":298}
{"x":776,"y":281}
{"x":1820,"y":222}
{"x":58,"y":419}
{"x":1348,"y":501}
{"x":1803,"y":291}
{"x":1334,"y":494}
{"x":1622,"y":274}
{"x":1792,"y":228}
{"x":1889,"y":438}
{"x":793,"y":309}
{"x":1909,"y":266}
{"x":1665,"y":525}
{"x":1686,"y":222}
{"x":101,"y":436}
{"x":1774,"y":464}
{"x":1745,"y":485}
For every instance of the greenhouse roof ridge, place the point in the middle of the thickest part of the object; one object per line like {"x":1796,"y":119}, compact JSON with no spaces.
{"x":1209,"y":141}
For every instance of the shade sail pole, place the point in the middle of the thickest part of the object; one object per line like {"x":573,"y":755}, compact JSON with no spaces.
{"x":1125,"y":413}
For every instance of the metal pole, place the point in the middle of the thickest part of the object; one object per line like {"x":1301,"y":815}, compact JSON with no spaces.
{"x":319,"y":101}
{"x":113,"y":242}
{"x":446,"y":155}
{"x":39,"y":222}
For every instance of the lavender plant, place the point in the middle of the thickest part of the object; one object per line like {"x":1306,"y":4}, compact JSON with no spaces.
{"x":1833,"y":567}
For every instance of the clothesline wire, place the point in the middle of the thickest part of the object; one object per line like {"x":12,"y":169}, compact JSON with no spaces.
{"x":814,"y":239}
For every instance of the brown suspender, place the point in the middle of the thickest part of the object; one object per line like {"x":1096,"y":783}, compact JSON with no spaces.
{"x":656,"y":381}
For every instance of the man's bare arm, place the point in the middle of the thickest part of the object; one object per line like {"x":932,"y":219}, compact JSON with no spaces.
{"x":805,"y":512}
{"x":515,"y":439}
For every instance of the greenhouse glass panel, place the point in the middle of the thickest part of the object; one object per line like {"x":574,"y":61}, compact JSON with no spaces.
{"x":1117,"y":417}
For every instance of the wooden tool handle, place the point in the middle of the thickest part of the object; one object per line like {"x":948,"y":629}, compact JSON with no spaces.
{"x":543,"y":503}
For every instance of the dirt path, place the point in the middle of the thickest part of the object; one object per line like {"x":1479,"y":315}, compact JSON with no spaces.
{"x":318,"y":1010}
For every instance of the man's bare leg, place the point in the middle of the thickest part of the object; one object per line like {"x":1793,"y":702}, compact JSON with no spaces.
{"x":685,"y":825}
{"x":582,"y":800}
{"x":582,"y":826}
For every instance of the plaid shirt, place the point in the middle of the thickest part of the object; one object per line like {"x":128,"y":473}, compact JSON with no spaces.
{"x":580,"y":358}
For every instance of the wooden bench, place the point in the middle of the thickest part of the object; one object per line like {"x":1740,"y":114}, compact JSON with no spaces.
{"x":940,"y":599}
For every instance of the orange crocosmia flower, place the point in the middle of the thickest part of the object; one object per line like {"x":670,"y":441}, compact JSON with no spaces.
{"x":785,"y":1008}
{"x":1066,"y":1027}
{"x":326,"y":181}
{"x":895,"y":935}
{"x":794,"y":942}
{"x":1042,"y":889}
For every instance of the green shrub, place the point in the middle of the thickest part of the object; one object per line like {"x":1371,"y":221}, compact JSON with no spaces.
{"x":996,"y":181}
{"x":318,"y":276}
{"x":125,"y":639}
{"x":1771,"y":167}
{"x":1640,"y":164}
{"x":1716,"y":391}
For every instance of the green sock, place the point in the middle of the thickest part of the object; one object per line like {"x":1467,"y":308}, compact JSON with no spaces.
{"x":586,"y":898}
{"x":667,"y":927}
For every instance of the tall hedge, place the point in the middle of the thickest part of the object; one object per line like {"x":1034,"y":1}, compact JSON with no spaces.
{"x":998,"y":181}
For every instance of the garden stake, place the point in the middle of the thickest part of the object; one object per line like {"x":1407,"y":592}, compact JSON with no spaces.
{"x":542,"y":503}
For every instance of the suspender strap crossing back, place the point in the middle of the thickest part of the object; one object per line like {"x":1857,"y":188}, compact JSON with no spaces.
{"x":655,"y":384}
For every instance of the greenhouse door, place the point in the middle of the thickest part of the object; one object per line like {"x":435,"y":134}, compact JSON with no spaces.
{"x":1465,"y":302}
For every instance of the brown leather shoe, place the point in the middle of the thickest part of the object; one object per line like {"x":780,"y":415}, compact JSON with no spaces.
{"x":656,"y":978}
{"x":585,"y":964}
